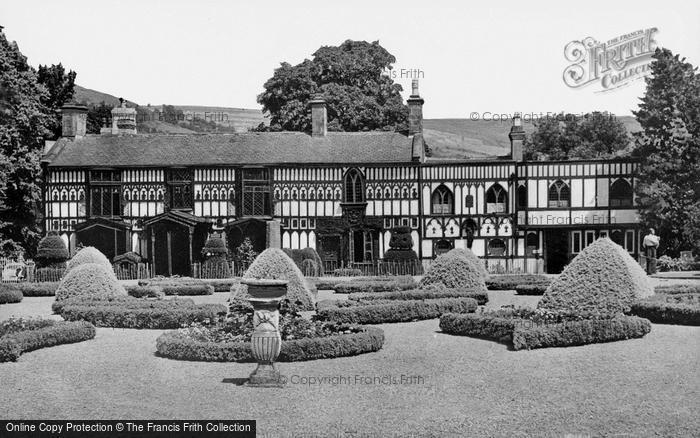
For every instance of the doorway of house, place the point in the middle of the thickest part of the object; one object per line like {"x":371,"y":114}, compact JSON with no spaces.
{"x":556,"y":250}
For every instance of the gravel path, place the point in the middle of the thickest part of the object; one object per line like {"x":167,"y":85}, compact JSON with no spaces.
{"x":454,"y":386}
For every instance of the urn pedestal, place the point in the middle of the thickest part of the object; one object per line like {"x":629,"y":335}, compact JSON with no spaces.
{"x":266,"y":340}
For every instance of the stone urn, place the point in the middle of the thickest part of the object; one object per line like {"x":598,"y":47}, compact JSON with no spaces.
{"x":266,"y":341}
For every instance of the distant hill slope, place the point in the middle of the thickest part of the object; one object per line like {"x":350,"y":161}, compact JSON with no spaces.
{"x":91,"y":97}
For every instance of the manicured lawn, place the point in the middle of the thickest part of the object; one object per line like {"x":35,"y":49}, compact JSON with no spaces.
{"x":462,"y":386}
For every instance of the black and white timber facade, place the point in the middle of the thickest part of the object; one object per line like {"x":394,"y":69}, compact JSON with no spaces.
{"x":340,"y":193}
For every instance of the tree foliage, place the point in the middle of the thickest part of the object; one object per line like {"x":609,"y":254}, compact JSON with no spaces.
{"x":359,"y":97}
{"x":98,"y":116}
{"x":60,"y":89}
{"x":668,"y":185}
{"x":570,"y":136}
{"x":24,"y":123}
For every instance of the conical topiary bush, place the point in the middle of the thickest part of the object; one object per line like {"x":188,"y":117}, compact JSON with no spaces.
{"x":51,"y":252}
{"x":459,"y":268}
{"x":89,"y":279}
{"x":215,"y":254}
{"x":602,"y":278}
{"x":89,"y":254}
{"x":274,"y":264}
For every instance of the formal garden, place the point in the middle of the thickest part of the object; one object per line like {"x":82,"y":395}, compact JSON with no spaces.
{"x":597,"y":350}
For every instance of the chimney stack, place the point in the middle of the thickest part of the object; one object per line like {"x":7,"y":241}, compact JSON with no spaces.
{"x":74,"y":120}
{"x":415,"y":110}
{"x":517,"y":136}
{"x":123,"y":119}
{"x":319,"y":116}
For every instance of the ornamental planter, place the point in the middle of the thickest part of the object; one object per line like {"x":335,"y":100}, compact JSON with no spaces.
{"x":266,"y":340}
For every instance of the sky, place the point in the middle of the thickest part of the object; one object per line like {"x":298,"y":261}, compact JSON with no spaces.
{"x":484,"y":58}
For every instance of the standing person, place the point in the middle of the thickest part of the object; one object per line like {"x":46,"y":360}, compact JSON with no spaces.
{"x":651,"y":244}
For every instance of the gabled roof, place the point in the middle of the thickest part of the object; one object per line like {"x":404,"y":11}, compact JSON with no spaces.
{"x":143,"y":150}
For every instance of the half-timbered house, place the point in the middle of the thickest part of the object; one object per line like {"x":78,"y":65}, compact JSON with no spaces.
{"x":338,"y":192}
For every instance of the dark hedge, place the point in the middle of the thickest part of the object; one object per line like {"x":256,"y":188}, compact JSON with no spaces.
{"x":422,"y":294}
{"x":512,"y":281}
{"x":394,"y":311}
{"x":10,"y":294}
{"x":398,"y":283}
{"x":187,"y":289}
{"x":43,"y":289}
{"x":531,"y":289}
{"x":681,"y":309}
{"x":14,"y":344}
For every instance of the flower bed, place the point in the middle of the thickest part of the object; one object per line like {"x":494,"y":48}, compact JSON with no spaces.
{"x":369,"y":286}
{"x":681,"y":309}
{"x":19,"y":336}
{"x":43,"y":289}
{"x":129,"y":312}
{"x":422,"y":294}
{"x":511,"y":282}
{"x":528,"y":329}
{"x":678,"y":289}
{"x":10,"y":294}
{"x":388,"y":311}
{"x":531,"y":289}
{"x":183,"y":345}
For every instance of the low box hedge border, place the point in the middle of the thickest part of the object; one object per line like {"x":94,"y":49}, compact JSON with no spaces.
{"x":511,"y":281}
{"x":187,"y":289}
{"x":375,"y":286}
{"x":14,"y":344}
{"x":422,"y":294}
{"x":42,"y":289}
{"x":9,"y":295}
{"x":679,"y":309}
{"x":223,"y":285}
{"x":393,"y":311}
{"x":523,"y":334}
{"x":145,"y":291}
{"x":176,"y":346}
{"x":673,"y":289}
{"x":531,"y":289}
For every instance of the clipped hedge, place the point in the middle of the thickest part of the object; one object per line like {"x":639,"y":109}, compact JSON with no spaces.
{"x":223,"y":285}
{"x":60,"y":332}
{"x":603,"y":277}
{"x":86,"y":255}
{"x":145,"y":291}
{"x":680,"y":309}
{"x":395,"y":311}
{"x":457,"y":268}
{"x":176,"y":346}
{"x":524,"y":334}
{"x":187,"y":289}
{"x":141,"y":314}
{"x":51,"y":252}
{"x":89,"y":279}
{"x":673,"y":289}
{"x":422,"y":294}
{"x":43,"y":289}
{"x":399,"y":283}
{"x":512,"y":281}
{"x":10,"y":294}
{"x":531,"y":289}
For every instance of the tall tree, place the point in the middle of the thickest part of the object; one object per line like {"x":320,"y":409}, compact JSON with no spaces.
{"x":60,"y":89}
{"x":24,"y":122}
{"x":359,"y":97}
{"x":668,"y":185}
{"x":569,"y":136}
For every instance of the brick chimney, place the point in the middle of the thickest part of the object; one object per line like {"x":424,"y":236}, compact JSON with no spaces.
{"x":74,"y":120}
{"x":415,"y":110}
{"x":319,"y":117}
{"x":123,"y":119}
{"x":516,"y":136}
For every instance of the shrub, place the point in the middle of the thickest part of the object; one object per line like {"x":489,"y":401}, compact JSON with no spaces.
{"x":602,"y":277}
{"x":422,"y":294}
{"x":457,"y":268}
{"x":528,"y":334}
{"x":53,"y":333}
{"x":145,"y":291}
{"x":273,"y":263}
{"x":531,"y":289}
{"x":677,"y":289}
{"x":10,"y":294}
{"x":299,"y":256}
{"x":140,"y":314}
{"x":89,"y":279}
{"x":187,"y":289}
{"x":395,"y":311}
{"x":511,"y":281}
{"x":43,"y":289}
{"x":214,"y":246}
{"x":223,"y":285}
{"x":399,"y":283}
{"x":309,"y":268}
{"x":176,"y":346}
{"x":89,"y":254}
{"x":681,"y":309}
{"x":51,"y":252}
{"x":400,"y":246}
